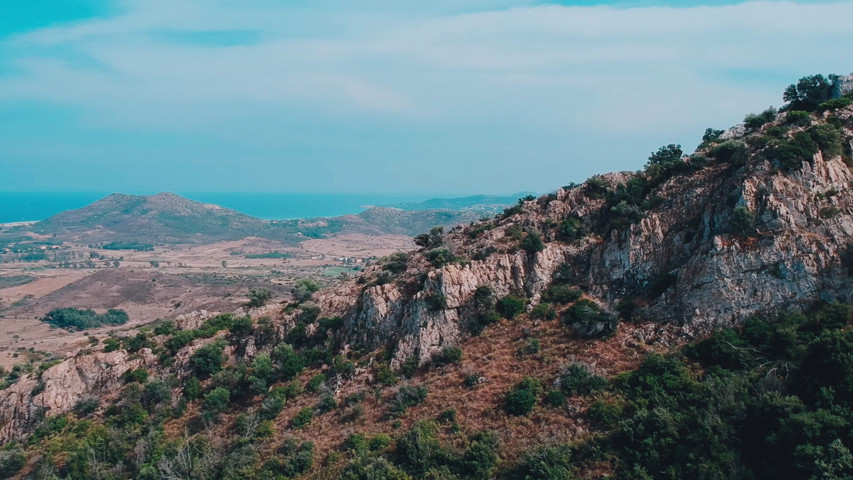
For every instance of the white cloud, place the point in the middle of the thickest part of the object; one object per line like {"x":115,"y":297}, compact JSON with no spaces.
{"x":472,"y":65}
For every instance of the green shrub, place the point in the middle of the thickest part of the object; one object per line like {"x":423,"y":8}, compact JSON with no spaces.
{"x":571,"y":229}
{"x":798,"y":117}
{"x":835,"y":104}
{"x":605,"y":413}
{"x":743,"y":222}
{"x":86,"y":406}
{"x":532,"y":347}
{"x":561,"y":294}
{"x":793,"y":152}
{"x":208,"y":359}
{"x":447,"y":356}
{"x":555,"y":398}
{"x":439,"y":257}
{"x":732,"y":152}
{"x":167,"y":327}
{"x":217,"y":400}
{"x":754,"y":122}
{"x":523,"y":397}
{"x":543,"y":311}
{"x":589,"y":320}
{"x":532,"y":243}
{"x":578,"y":380}
{"x":808,"y":93}
{"x":432,"y":239}
{"x":396,"y":262}
{"x":192,"y":389}
{"x":407,"y":396}
{"x":828,"y":139}
{"x":435,"y":301}
{"x":11,"y":462}
{"x":510,"y":306}
{"x":304,"y":289}
{"x":712,"y":135}
{"x":302,"y":418}
{"x":315,"y":383}
{"x":258,"y":297}
{"x":76,"y":319}
{"x":545,"y":463}
{"x":111,"y":345}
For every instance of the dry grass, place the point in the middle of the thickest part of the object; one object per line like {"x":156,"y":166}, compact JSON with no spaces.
{"x":496,"y":357}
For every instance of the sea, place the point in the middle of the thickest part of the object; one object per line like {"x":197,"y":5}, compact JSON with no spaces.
{"x":25,"y":207}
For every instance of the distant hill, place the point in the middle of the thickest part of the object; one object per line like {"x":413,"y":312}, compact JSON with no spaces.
{"x":160,"y":218}
{"x":484,"y":202}
{"x":169,"y":218}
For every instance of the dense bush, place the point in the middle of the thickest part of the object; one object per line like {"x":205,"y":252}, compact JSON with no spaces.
{"x":545,"y":463}
{"x":258,"y":297}
{"x":217,"y":400}
{"x":773,"y":400}
{"x":808,"y":93}
{"x":589,"y":320}
{"x":835,"y":104}
{"x":732,"y":152}
{"x":76,"y":319}
{"x":791,"y":153}
{"x":523,"y":397}
{"x":302,"y":418}
{"x":561,"y":294}
{"x":407,"y":396}
{"x":430,"y":240}
{"x":11,"y":462}
{"x":304,"y":288}
{"x":828,"y":139}
{"x":571,"y":229}
{"x":755,"y":121}
{"x":395,"y":263}
{"x":798,"y":117}
{"x":208,"y":359}
{"x":532,"y":243}
{"x":510,"y":306}
{"x":447,"y":356}
{"x":578,"y":380}
{"x":439,"y":257}
{"x":743,"y":221}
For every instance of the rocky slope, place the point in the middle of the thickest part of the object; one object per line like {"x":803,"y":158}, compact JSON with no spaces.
{"x":681,"y":261}
{"x":741,"y":227}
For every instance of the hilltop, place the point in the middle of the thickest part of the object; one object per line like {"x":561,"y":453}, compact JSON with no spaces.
{"x":689,"y":320}
{"x":167,"y":218}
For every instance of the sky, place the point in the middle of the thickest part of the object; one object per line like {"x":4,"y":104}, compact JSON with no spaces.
{"x":384,"y":96}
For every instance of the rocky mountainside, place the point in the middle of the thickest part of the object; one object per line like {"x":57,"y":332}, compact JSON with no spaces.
{"x":531,"y":341}
{"x":726,"y":233}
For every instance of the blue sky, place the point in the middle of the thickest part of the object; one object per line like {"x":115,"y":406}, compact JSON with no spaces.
{"x":382,"y":96}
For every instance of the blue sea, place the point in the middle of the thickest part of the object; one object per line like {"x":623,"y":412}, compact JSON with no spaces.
{"x":23,"y":207}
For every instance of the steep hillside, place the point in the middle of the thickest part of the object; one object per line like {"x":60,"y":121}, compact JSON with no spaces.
{"x":691,"y":320}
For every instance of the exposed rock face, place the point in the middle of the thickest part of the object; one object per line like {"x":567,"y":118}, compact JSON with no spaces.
{"x":62,"y":386}
{"x":842,"y":86}
{"x":804,"y":223}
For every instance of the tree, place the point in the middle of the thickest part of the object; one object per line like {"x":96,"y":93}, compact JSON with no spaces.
{"x":258,"y":297}
{"x":532,"y":243}
{"x":432,"y":239}
{"x":217,"y":400}
{"x":208,"y":359}
{"x":808,"y":93}
{"x":304,"y":288}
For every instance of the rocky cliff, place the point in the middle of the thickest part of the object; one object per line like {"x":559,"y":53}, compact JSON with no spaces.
{"x":682,"y":257}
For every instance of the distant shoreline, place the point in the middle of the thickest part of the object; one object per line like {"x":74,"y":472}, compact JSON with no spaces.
{"x":18,"y":224}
